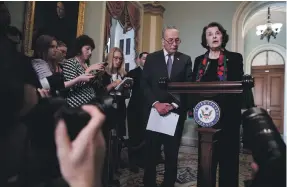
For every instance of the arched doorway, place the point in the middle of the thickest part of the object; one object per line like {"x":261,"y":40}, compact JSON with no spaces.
{"x":242,"y":17}
{"x":268,"y":70}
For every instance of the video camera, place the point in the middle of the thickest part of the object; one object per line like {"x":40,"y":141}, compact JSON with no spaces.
{"x":267,"y":146}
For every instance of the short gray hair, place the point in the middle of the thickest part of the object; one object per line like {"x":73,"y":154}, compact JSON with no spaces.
{"x":167,"y":28}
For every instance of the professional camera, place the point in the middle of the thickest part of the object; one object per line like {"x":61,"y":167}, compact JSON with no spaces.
{"x":267,"y":147}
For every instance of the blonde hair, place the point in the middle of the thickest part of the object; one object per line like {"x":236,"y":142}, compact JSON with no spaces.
{"x":110,"y":58}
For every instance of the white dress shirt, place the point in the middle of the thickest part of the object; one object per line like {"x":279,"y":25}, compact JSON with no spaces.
{"x":166,"y":59}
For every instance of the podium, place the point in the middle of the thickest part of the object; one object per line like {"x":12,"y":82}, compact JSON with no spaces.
{"x":206,"y":134}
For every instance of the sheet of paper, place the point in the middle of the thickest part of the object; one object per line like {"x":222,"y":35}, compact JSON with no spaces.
{"x":162,"y":124}
{"x":126,"y":80}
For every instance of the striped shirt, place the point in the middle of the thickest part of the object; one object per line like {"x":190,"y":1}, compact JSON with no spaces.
{"x":42,"y":68}
{"x":81,"y":93}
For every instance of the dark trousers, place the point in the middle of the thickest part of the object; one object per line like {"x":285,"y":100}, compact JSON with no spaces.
{"x":136,"y":130}
{"x":225,"y":153}
{"x":171,"y":145}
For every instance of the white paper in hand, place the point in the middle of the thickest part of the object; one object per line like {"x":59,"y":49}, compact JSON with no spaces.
{"x":162,"y":124}
{"x":126,"y":80}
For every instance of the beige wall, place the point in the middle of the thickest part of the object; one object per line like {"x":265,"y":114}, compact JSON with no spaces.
{"x":191,"y":16}
{"x":93,"y":25}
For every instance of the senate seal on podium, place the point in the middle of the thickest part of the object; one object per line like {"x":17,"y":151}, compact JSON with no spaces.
{"x":206,"y":113}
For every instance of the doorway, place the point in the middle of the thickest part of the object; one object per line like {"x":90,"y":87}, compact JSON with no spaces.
{"x":269,"y":85}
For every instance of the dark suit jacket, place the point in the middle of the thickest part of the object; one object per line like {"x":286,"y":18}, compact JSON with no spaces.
{"x":155,"y":68}
{"x":230,"y":104}
{"x":120,"y":112}
{"x":136,"y":100}
{"x":234,"y":63}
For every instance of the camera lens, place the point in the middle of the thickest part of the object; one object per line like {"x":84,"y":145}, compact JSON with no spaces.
{"x":261,"y":135}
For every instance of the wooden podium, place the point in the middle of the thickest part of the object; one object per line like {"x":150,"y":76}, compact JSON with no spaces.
{"x":206,"y":141}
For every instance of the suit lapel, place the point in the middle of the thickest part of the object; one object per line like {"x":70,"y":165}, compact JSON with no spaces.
{"x":175,"y":65}
{"x":230,"y":65}
{"x":162,"y":63}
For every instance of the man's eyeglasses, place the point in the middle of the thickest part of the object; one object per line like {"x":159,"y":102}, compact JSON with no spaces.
{"x":171,"y":40}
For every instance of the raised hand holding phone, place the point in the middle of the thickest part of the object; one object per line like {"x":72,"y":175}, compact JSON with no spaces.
{"x":81,"y":160}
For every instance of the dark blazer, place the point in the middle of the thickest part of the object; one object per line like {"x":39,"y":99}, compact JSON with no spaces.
{"x":120,"y":113}
{"x":155,"y":68}
{"x":234,"y":63}
{"x":136,"y":99}
{"x":230,"y":104}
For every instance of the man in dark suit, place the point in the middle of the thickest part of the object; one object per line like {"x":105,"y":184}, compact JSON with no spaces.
{"x":136,"y":125}
{"x":178,"y":67}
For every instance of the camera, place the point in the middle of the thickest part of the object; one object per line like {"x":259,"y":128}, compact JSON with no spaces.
{"x":43,"y":117}
{"x":261,"y":136}
{"x":77,"y":118}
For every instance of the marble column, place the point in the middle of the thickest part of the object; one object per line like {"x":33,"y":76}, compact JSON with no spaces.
{"x":152,"y":26}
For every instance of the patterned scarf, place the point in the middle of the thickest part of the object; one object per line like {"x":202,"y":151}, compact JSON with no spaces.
{"x":221,"y":69}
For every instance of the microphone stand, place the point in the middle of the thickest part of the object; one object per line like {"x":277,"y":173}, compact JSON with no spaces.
{"x":113,"y":149}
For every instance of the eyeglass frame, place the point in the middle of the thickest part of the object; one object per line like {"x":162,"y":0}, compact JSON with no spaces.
{"x":173,"y":40}
{"x":118,"y":58}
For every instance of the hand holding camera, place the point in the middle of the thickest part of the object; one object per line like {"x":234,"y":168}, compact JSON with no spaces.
{"x":81,"y":160}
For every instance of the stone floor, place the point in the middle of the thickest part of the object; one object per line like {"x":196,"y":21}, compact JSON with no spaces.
{"x":187,"y":170}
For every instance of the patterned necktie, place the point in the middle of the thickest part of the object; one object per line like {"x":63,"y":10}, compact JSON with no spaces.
{"x":169,"y":65}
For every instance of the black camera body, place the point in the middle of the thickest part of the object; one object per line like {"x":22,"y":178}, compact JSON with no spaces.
{"x":261,"y":136}
{"x":77,"y":118}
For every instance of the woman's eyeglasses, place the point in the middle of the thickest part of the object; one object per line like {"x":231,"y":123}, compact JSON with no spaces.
{"x":118,"y":58}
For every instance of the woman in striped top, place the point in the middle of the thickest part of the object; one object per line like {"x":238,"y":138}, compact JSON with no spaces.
{"x":46,"y":66}
{"x":84,"y":91}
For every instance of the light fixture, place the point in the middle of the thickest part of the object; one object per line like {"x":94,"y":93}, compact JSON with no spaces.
{"x":269,"y":29}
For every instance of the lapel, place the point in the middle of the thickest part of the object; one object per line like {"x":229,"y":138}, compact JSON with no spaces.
{"x":139,"y":71}
{"x":232,"y":66}
{"x":162,"y":63}
{"x":229,"y":65}
{"x":227,"y":54}
{"x":175,"y":65}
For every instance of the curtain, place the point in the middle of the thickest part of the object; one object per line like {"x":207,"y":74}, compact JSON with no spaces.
{"x":128,"y":16}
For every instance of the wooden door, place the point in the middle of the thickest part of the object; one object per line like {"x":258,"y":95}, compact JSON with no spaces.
{"x":269,"y":91}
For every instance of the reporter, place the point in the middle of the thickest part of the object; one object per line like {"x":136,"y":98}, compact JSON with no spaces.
{"x":83,"y":91}
{"x":48,"y":70}
{"x":115,"y":73}
{"x":80,"y":165}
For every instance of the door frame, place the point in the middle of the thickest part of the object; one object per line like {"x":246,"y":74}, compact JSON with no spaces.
{"x":272,"y":69}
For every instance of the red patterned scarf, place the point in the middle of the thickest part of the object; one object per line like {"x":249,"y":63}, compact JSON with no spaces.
{"x":221,"y":69}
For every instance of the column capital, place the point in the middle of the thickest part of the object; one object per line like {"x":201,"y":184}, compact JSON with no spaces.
{"x":154,"y":7}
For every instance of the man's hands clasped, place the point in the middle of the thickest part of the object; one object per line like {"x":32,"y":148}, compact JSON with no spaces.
{"x":163,"y":108}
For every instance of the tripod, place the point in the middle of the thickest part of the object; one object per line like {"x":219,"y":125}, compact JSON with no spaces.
{"x":113,"y":147}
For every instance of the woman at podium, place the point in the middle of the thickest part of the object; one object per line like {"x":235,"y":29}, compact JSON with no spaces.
{"x":218,"y":64}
